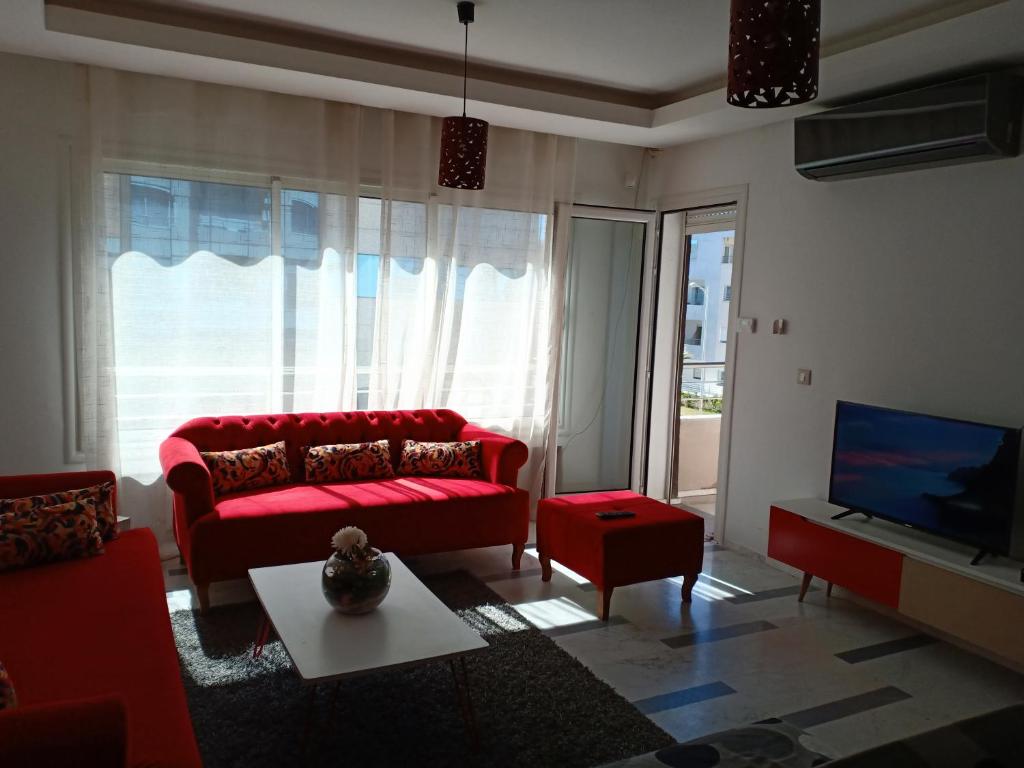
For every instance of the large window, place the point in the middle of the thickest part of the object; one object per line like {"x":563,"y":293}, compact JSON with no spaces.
{"x":236,"y":298}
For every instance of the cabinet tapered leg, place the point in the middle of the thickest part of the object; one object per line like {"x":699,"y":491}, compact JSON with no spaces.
{"x":805,"y":584}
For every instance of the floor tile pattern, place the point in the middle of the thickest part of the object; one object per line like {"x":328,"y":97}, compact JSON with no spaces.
{"x":743,"y":651}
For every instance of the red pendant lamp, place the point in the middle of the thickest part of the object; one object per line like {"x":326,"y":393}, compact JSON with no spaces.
{"x":463,"y":139}
{"x":773,"y":52}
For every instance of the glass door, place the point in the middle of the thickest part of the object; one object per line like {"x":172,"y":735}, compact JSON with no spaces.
{"x":708,"y":281}
{"x":603,"y":365}
{"x":691,"y":355}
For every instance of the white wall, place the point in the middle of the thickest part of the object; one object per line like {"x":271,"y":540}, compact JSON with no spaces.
{"x":34,"y":94}
{"x":904,"y":290}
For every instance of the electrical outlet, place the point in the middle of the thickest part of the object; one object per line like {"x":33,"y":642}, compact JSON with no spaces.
{"x":803,"y":376}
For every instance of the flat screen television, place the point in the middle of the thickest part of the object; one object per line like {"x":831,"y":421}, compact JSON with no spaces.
{"x":957,"y":479}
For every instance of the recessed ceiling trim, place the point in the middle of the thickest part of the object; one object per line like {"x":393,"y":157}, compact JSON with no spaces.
{"x":301,"y":38}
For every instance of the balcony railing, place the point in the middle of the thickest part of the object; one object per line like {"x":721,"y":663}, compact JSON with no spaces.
{"x":701,"y":389}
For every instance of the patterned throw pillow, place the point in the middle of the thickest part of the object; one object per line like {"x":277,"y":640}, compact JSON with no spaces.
{"x":45,"y":535}
{"x":8,"y":698}
{"x":459,"y":459}
{"x":348,"y":461}
{"x":247,"y":468}
{"x":102,"y":495}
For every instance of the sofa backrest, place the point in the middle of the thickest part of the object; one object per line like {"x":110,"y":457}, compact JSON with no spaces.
{"x":16,"y":486}
{"x":225,"y":433}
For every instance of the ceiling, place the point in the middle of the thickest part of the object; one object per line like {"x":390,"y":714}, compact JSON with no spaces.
{"x":645,"y":72}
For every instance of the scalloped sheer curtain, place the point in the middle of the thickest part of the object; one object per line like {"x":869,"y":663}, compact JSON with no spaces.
{"x":242,"y":251}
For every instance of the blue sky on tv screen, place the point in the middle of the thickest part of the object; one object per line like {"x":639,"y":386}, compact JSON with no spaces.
{"x":917,"y":469}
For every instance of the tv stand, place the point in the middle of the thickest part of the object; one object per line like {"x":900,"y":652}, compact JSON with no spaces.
{"x":921,"y":576}
{"x":848,"y":512}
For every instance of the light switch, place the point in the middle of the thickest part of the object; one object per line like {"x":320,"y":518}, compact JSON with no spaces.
{"x":748,"y":325}
{"x":779,"y":326}
{"x":803,"y":376}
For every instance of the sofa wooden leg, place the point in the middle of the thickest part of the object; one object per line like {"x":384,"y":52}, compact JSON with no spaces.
{"x":517,"y":555}
{"x":604,"y":602}
{"x":689,"y":579}
{"x":545,"y":568}
{"x":203,"y":594}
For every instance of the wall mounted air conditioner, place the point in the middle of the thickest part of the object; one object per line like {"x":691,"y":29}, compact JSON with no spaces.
{"x":976,"y":118}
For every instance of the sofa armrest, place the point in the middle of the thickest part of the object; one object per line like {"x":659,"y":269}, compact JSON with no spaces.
{"x":187,"y":475}
{"x":86,"y":733}
{"x":501,"y":456}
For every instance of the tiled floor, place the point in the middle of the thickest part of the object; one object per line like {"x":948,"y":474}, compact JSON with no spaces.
{"x":744,"y":650}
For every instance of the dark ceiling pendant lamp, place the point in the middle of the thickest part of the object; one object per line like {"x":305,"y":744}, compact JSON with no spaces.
{"x":463,"y":139}
{"x":773,"y":52}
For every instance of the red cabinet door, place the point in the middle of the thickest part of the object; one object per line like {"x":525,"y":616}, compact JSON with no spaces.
{"x":860,"y":566}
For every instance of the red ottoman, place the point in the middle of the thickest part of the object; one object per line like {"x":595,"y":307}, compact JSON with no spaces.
{"x":661,"y":541}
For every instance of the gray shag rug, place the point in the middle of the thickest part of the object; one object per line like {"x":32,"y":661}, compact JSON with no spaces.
{"x":535,"y":704}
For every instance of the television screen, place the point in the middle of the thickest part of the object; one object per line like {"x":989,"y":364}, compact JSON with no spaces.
{"x":955,"y":478}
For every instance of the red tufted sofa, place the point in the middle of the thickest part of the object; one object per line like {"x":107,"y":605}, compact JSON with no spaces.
{"x":88,"y":646}
{"x":221,"y":537}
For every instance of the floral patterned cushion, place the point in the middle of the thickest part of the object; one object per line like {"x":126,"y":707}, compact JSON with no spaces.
{"x":459,"y":459}
{"x":8,"y":699}
{"x":348,"y":461}
{"x":47,"y":534}
{"x":102,"y":494}
{"x":247,"y":468}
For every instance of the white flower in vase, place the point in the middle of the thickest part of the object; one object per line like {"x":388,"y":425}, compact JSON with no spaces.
{"x":350,"y":542}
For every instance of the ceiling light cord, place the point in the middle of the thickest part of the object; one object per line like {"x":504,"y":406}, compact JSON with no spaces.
{"x":465,"y":68}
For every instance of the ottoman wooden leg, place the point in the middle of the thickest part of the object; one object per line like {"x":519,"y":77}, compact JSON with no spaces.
{"x":689,"y":579}
{"x":203,"y":593}
{"x":545,"y":568}
{"x":517,"y":555}
{"x":604,"y":601}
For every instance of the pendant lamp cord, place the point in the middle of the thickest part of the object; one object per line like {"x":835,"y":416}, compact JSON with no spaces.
{"x":465,"y":69}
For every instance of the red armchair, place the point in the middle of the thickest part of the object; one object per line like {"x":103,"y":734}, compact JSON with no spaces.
{"x":221,"y":537}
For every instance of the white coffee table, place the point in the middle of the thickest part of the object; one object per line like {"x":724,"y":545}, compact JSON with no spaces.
{"x":410,"y":627}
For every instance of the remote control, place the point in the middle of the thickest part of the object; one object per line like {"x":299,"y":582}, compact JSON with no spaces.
{"x":614,"y":514}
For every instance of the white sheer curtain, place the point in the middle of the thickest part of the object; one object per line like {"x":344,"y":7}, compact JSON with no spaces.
{"x":242,"y":251}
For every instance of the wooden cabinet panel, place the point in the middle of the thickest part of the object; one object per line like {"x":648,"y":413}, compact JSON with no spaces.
{"x":857,"y":565}
{"x":986,"y":616}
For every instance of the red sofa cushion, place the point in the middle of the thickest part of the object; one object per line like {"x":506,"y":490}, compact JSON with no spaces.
{"x":99,"y":628}
{"x":661,"y":541}
{"x":335,"y":497}
{"x":407,"y":515}
{"x":85,"y":733}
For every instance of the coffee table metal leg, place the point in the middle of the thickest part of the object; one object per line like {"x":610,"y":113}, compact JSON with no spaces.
{"x":307,"y":728}
{"x":334,"y":698}
{"x":465,"y":700}
{"x":261,"y":637}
